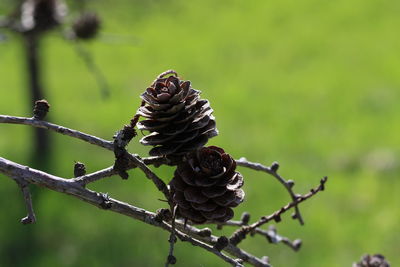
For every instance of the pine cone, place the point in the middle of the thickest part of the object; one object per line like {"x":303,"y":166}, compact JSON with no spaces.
{"x":372,"y":261}
{"x":206,"y":186}
{"x":86,"y":26}
{"x":178,"y":120}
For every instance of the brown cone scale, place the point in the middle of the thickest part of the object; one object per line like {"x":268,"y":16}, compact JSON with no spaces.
{"x":177,"y":119}
{"x":206,"y":186}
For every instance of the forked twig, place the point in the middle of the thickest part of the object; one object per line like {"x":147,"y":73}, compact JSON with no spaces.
{"x":241,"y":233}
{"x":273,"y":170}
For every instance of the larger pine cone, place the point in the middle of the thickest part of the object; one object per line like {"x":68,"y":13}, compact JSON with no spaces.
{"x":178,"y":120}
{"x":206,"y":186}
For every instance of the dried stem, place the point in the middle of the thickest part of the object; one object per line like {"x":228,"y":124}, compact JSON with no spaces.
{"x":161,"y":186}
{"x":172,"y":240}
{"x":273,"y":170}
{"x":31,"y":217}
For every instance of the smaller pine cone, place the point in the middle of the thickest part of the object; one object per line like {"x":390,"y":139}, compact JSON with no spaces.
{"x":177,"y":119}
{"x":86,"y":26}
{"x":206,"y":186}
{"x":376,"y":260}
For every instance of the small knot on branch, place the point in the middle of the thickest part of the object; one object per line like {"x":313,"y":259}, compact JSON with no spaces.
{"x":239,"y":235}
{"x":222,"y":242}
{"x":79,"y":169}
{"x":121,"y":165}
{"x":31,"y":217}
{"x":265,"y":259}
{"x":290,"y":183}
{"x":171,"y":259}
{"x":322,"y":183}
{"x":275,"y":166}
{"x":163,"y":215}
{"x":41,"y":108}
{"x":121,"y":140}
{"x":245,"y":218}
{"x":297,"y":244}
{"x":105,"y":203}
{"x":206,"y":232}
{"x":240,"y":261}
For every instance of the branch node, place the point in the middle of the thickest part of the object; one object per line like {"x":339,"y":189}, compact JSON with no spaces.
{"x":205,"y":232}
{"x":79,"y":169}
{"x":297,"y":244}
{"x":245,"y":218}
{"x":106,"y":203}
{"x":171,"y":259}
{"x":322,"y":183}
{"x":41,"y":108}
{"x":290,"y":183}
{"x":239,"y":235}
{"x":121,"y":140}
{"x":31,"y":217}
{"x":275,"y":166}
{"x":222,"y":242}
{"x":163,"y":215}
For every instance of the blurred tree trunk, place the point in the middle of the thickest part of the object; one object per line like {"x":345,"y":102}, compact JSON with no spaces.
{"x":41,"y":140}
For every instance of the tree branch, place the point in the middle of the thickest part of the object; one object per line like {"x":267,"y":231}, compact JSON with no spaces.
{"x":59,"y":129}
{"x":71,"y":187}
{"x":76,"y":187}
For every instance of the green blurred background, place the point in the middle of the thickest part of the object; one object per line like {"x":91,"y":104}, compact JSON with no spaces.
{"x":311,"y":84}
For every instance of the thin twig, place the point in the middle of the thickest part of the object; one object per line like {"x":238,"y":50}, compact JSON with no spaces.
{"x":172,"y":239}
{"x":271,"y":234}
{"x":161,"y":186}
{"x":95,"y":176}
{"x":273,"y":237}
{"x":273,"y":170}
{"x":59,"y":129}
{"x":241,"y":233}
{"x":31,"y":217}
